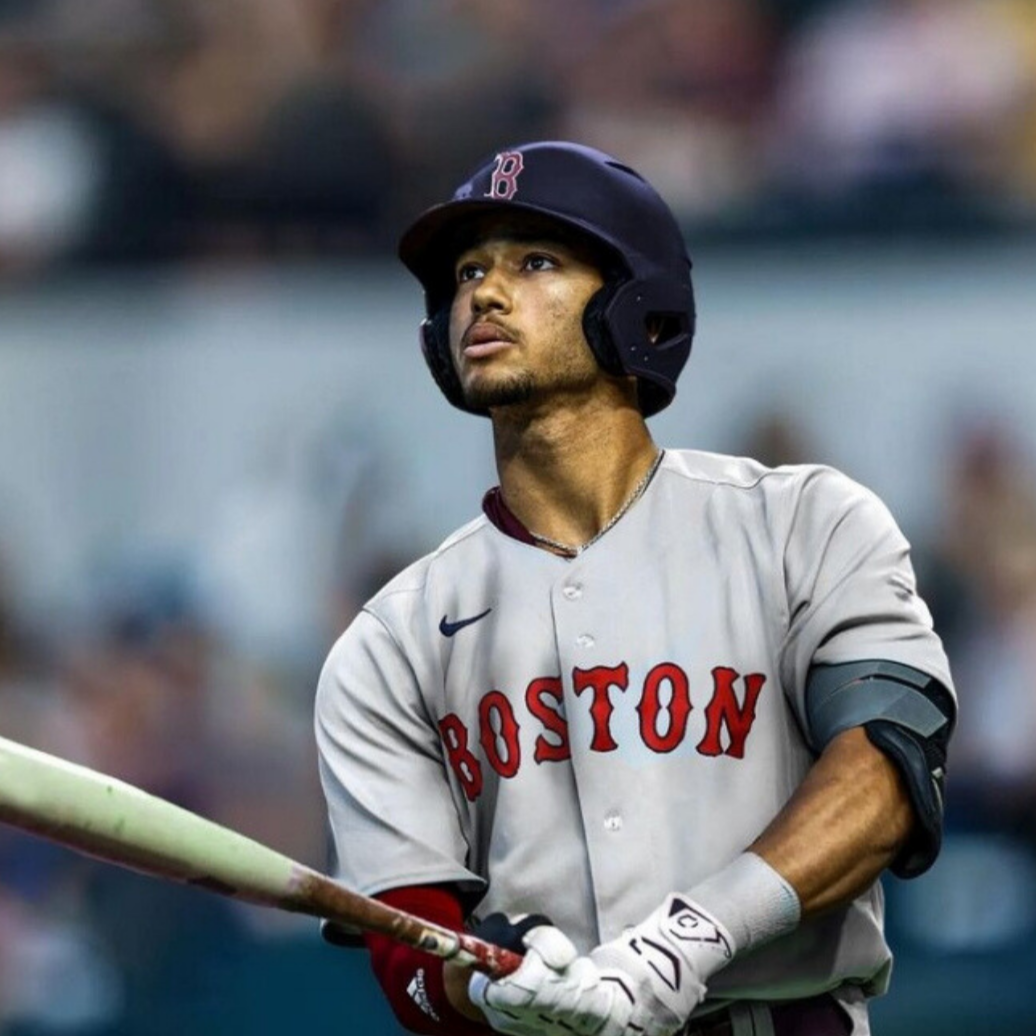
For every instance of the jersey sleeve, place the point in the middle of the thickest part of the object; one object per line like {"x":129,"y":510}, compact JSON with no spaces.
{"x":850,"y":586}
{"x":392,"y":814}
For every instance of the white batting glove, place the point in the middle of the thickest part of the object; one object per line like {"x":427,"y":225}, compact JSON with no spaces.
{"x":554,"y":993}
{"x":661,"y":966}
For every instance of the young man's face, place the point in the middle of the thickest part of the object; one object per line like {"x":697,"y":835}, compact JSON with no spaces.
{"x":516,"y":331}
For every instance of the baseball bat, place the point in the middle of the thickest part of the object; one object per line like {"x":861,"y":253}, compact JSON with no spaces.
{"x":111,"y":820}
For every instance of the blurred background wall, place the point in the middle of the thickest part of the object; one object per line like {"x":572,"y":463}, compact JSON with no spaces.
{"x":217,"y":437}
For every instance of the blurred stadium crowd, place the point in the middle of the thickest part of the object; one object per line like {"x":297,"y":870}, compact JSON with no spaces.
{"x":164,"y":131}
{"x":150,"y":130}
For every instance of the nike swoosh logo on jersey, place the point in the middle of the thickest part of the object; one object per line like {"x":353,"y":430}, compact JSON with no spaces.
{"x":447,"y":628}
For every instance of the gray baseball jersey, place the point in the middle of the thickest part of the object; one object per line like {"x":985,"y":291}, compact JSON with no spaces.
{"x":581,"y":737}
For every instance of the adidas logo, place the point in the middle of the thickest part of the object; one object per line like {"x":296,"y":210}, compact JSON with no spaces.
{"x":417,"y":992}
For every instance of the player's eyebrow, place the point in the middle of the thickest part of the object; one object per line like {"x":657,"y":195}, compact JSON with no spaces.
{"x":550,"y":238}
{"x":529,"y":241}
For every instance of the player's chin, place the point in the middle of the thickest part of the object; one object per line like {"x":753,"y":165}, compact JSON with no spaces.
{"x":485,"y":393}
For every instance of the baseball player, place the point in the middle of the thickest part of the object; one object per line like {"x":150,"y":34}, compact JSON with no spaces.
{"x":658,"y":719}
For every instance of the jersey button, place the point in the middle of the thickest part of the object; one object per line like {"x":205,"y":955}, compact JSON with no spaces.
{"x":573,"y":591}
{"x":613,"y":821}
{"x":585,"y":640}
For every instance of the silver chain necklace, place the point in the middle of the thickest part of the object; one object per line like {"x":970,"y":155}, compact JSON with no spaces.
{"x":569,"y":551}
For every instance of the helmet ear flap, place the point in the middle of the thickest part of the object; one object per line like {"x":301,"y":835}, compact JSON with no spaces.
{"x":597,"y":330}
{"x":617,"y":323}
{"x":435,"y":346}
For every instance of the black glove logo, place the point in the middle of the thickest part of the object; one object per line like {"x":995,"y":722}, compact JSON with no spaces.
{"x":687,"y":924}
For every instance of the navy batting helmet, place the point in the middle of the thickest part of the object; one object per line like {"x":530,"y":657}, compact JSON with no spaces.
{"x":641,"y":322}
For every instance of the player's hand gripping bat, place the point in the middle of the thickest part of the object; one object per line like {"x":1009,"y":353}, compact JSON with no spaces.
{"x":114,"y":821}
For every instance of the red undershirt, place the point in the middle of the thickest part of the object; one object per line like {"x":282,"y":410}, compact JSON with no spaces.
{"x":412,"y":980}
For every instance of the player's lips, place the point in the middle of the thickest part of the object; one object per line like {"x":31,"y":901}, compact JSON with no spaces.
{"x":485,"y":338}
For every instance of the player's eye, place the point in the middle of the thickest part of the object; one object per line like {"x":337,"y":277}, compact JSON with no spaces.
{"x":468,"y":272}
{"x":537,"y":261}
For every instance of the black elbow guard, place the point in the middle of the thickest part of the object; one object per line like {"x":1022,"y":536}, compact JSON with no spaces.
{"x":922,"y":764}
{"x":910,"y":716}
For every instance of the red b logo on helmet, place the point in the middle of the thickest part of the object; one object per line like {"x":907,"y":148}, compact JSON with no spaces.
{"x":504,"y":184}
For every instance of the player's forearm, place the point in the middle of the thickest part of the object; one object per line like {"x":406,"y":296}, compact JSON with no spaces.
{"x":842,"y":827}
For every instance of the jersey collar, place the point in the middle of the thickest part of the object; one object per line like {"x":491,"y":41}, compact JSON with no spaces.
{"x":503,"y":517}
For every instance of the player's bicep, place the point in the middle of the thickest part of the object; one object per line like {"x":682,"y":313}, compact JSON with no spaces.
{"x":393,"y":817}
{"x":851,"y":589}
{"x":861,"y":650}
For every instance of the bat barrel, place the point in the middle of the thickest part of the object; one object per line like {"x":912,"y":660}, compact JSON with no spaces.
{"x":117,"y":822}
{"x":114,"y":821}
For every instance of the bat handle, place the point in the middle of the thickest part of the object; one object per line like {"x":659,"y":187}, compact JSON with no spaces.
{"x":494,"y":961}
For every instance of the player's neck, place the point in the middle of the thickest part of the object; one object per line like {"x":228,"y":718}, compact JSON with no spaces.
{"x":566,"y":474}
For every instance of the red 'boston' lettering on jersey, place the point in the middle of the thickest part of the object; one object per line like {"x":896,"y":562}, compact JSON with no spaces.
{"x":550,"y":716}
{"x":650,"y":706}
{"x":505,"y":730}
{"x":601,"y":679}
{"x":664,"y":708}
{"x":467,"y":768}
{"x":725,"y":710}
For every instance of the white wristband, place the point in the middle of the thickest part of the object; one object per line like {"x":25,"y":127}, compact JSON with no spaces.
{"x":750,"y":900}
{"x":664,"y":964}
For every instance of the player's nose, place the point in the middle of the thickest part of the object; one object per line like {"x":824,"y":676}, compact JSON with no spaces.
{"x":492,"y":292}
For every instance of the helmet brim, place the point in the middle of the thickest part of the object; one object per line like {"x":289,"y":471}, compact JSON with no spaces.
{"x":428,"y":244}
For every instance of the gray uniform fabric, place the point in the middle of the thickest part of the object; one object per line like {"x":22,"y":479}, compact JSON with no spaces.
{"x":623,"y":724}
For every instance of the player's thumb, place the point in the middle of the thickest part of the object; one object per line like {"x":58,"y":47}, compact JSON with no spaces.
{"x":551,"y":944}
